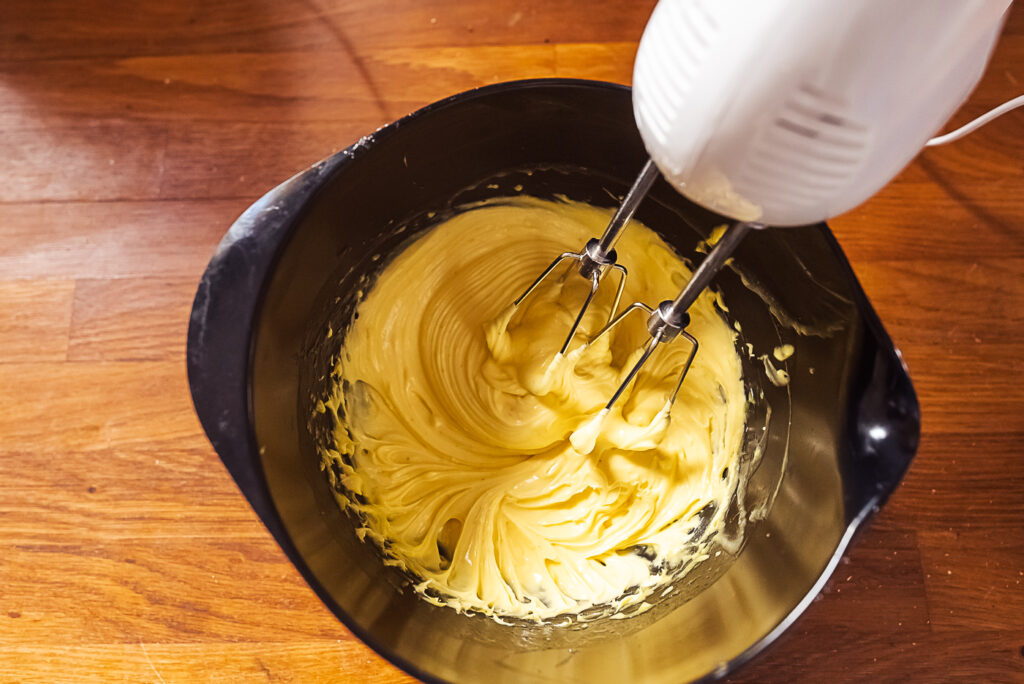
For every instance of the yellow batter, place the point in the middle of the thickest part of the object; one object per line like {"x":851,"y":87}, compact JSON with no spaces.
{"x":457,"y":420}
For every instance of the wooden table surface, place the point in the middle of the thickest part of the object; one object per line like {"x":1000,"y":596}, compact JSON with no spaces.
{"x":132,"y":133}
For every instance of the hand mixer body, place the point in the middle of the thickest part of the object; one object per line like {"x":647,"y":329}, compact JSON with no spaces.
{"x":789,"y":112}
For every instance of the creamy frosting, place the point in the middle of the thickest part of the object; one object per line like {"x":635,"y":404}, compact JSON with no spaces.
{"x":483,"y":464}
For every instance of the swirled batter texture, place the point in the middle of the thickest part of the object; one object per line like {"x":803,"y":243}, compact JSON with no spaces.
{"x":478,"y":460}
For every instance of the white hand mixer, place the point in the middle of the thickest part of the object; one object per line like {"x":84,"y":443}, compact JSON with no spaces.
{"x":783,"y":113}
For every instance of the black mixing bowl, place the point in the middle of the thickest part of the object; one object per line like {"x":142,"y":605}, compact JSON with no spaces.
{"x":832,"y":444}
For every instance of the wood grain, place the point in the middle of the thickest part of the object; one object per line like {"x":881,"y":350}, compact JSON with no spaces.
{"x":65,"y":28}
{"x":130,"y":319}
{"x":286,"y":86}
{"x":95,"y":161}
{"x":47,"y":240}
{"x":133,"y":133}
{"x":316,"y":661}
{"x":96,"y":407}
{"x":35,"y":319}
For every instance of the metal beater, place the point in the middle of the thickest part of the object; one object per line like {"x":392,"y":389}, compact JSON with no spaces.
{"x":598,"y":256}
{"x":670,"y":318}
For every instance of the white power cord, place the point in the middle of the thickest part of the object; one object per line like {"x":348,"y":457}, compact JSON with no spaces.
{"x":977,"y":123}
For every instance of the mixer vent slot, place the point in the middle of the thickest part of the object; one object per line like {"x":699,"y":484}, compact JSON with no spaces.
{"x":807,"y":151}
{"x":678,"y":56}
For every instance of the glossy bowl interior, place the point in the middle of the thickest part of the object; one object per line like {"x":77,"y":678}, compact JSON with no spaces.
{"x":835,"y":441}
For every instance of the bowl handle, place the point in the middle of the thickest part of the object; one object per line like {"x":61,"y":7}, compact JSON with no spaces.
{"x":884,"y":424}
{"x":222,"y":322}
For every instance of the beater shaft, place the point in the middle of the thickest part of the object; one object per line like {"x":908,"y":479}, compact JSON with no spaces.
{"x":712,"y":264}
{"x":598,"y":251}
